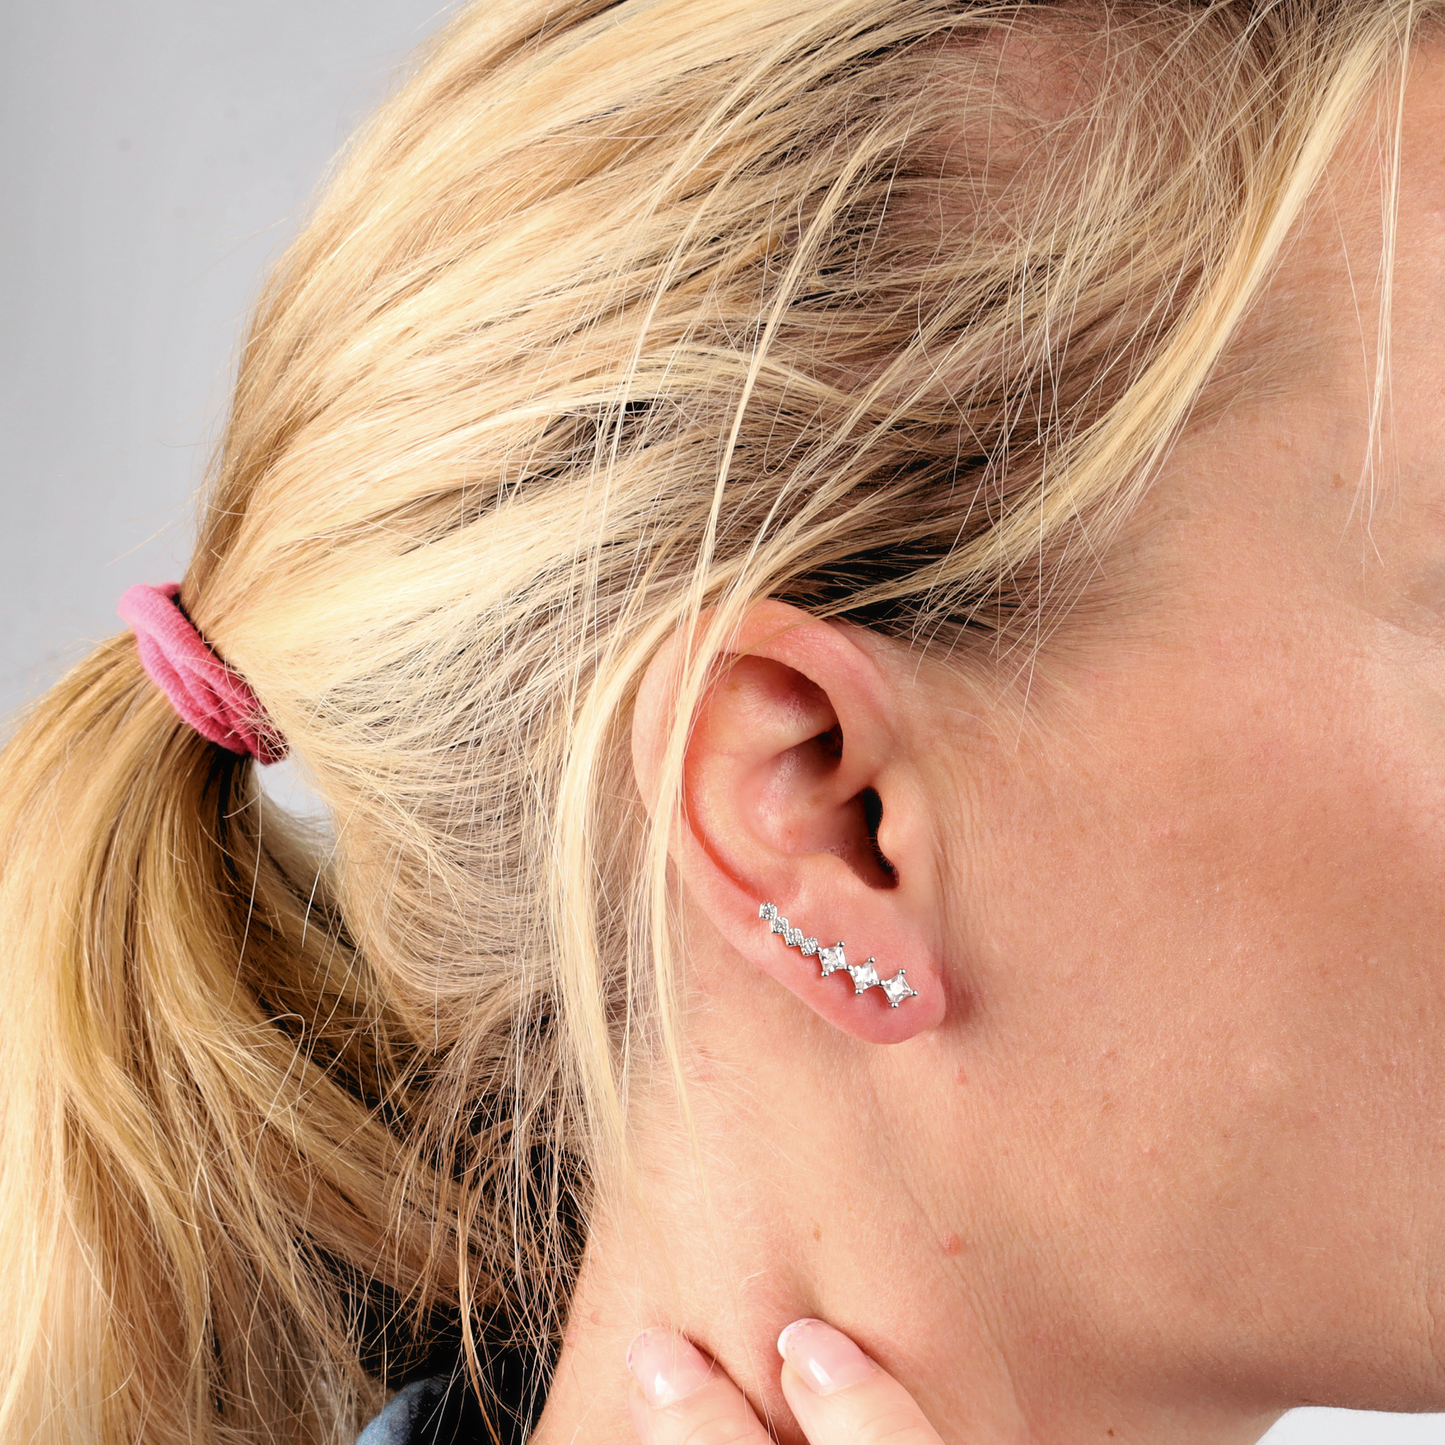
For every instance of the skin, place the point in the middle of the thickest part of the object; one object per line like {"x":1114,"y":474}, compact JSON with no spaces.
{"x":1158,"y":1151}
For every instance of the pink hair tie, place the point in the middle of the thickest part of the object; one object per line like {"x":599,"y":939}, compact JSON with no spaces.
{"x":202,"y":689}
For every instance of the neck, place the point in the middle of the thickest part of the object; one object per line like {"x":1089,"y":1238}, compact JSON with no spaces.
{"x":802,"y":1197}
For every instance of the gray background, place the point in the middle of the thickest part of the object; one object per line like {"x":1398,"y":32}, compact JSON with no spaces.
{"x":153,"y":158}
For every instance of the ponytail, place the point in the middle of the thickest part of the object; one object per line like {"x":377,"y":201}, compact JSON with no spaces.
{"x":191,"y":1142}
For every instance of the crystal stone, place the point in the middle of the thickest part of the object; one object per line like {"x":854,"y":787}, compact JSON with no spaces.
{"x":897,"y":989}
{"x":865,"y":976}
{"x":832,"y":959}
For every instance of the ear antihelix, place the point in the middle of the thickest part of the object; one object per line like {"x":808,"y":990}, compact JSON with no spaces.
{"x":834,"y":960}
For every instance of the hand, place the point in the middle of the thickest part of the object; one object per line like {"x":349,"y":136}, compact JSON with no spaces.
{"x":839,"y":1396}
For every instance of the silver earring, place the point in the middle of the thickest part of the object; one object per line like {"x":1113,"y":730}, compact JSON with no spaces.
{"x":864,"y":975}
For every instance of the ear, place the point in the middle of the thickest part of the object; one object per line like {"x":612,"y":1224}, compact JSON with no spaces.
{"x":799,"y":791}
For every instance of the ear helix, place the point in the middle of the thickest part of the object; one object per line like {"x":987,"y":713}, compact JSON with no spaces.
{"x":864,"y":975}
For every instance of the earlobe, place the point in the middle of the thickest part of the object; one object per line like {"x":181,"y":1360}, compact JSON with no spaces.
{"x":804,"y":820}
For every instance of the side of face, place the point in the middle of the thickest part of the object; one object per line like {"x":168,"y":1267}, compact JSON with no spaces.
{"x":1195,"y":882}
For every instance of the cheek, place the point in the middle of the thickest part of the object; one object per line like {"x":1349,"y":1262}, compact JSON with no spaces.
{"x":1229,"y":897}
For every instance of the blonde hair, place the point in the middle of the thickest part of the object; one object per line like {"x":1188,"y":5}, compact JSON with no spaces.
{"x":618,"y":315}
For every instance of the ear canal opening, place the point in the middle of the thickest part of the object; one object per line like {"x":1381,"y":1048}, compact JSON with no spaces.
{"x":873,"y":814}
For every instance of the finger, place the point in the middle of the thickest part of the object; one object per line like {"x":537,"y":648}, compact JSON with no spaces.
{"x":681,"y":1398}
{"x":841,"y":1397}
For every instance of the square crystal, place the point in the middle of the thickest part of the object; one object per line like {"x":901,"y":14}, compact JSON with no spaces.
{"x":865,"y":976}
{"x":897,"y":989}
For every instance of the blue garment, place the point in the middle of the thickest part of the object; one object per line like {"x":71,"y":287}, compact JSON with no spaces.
{"x":411,"y":1417}
{"x":444,"y":1410}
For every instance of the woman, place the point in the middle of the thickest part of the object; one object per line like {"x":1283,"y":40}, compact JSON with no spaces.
{"x":710,"y":482}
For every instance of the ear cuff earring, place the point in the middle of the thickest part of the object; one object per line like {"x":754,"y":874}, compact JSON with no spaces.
{"x":864,"y":975}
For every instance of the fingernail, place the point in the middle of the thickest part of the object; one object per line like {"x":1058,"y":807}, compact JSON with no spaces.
{"x":826,"y":1359}
{"x":667,"y":1366}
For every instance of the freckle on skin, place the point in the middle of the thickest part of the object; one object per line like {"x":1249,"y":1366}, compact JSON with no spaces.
{"x":817,"y":1231}
{"x":595,"y":1317}
{"x":951,"y":1244}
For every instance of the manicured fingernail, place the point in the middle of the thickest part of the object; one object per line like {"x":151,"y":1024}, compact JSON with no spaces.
{"x":667,"y":1366}
{"x":826,"y":1359}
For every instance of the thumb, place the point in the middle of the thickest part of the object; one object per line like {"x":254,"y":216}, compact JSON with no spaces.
{"x":680,"y":1397}
{"x":841,"y":1397}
